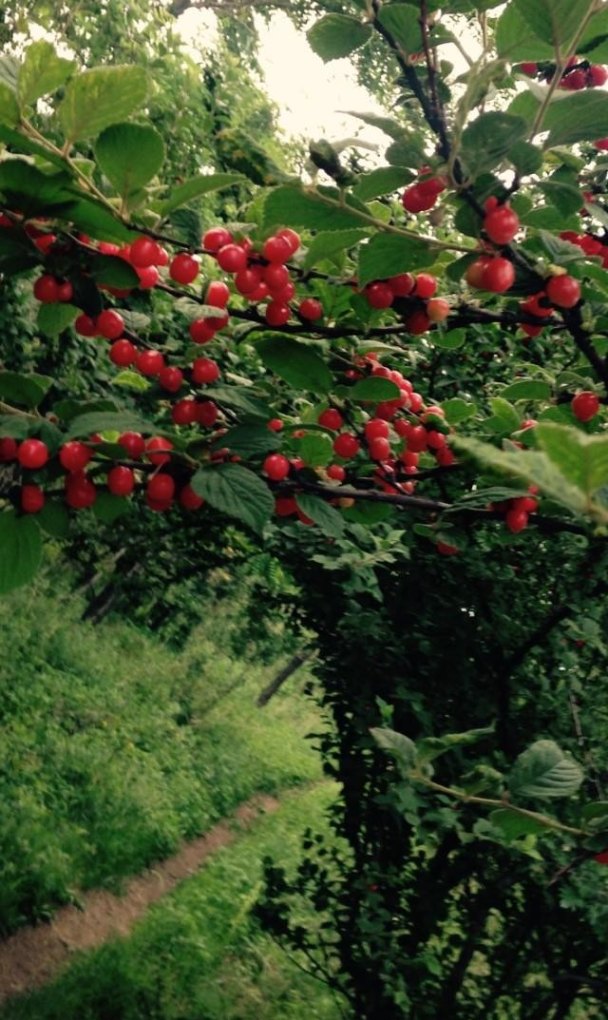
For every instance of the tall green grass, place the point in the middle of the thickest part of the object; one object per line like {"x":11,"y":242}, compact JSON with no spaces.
{"x":198,"y":954}
{"x":110,"y":753}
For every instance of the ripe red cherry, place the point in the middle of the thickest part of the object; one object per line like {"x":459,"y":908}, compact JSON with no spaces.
{"x":445,"y":549}
{"x":336,"y":472}
{"x":498,"y":275}
{"x":201,"y":331}
{"x":438,"y":309}
{"x":331,"y":419}
{"x":8,"y":450}
{"x":346,"y":445}
{"x":292,"y":238}
{"x":596,"y":75}
{"x":402,"y":284}
{"x":161,"y":488}
{"x":157,"y":450}
{"x":277,"y":313}
{"x":85,"y":325}
{"x":79,"y":491}
{"x":207,"y":413}
{"x":425,"y":286}
{"x":563,"y":291}
{"x":149,"y":363}
{"x":46,"y":289}
{"x":110,"y":324}
{"x":32,"y":453}
{"x":379,"y":294}
{"x":575,"y":81}
{"x":123,"y":353}
{"x":275,"y":425}
{"x":379,"y":448}
{"x":276,"y":467}
{"x":585,"y":405}
{"x":277,"y":249}
{"x":311,"y":309}
{"x":246,"y":280}
{"x":516,"y":520}
{"x":218,"y":294}
{"x":65,"y":291}
{"x":529,"y":68}
{"x":171,"y":378}
{"x":74,"y":456}
{"x":601,"y":858}
{"x":121,"y":480}
{"x":232,"y":258}
{"x":276,"y":277}
{"x":148,"y":277}
{"x":501,"y":224}
{"x":216,"y":238}
{"x":184,"y":412}
{"x":32,"y":499}
{"x":205,"y":371}
{"x":417,"y":439}
{"x":445,"y":456}
{"x":417,"y":323}
{"x":183,"y":268}
{"x":189,"y":500}
{"x":144,"y":252}
{"x":134,"y":444}
{"x":601,"y":144}
{"x":377,"y":428}
{"x":415,"y":199}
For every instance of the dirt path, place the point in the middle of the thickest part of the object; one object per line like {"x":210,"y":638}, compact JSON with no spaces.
{"x":33,"y":955}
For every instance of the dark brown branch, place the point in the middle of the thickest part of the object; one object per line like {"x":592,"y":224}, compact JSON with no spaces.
{"x":277,"y":682}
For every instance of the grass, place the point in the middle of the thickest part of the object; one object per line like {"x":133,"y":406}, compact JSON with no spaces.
{"x":198,"y":954}
{"x":110,"y":753}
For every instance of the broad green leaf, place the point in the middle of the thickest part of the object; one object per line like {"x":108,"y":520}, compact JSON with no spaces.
{"x":130,"y":155}
{"x":545,"y":771}
{"x":316,"y":449}
{"x":391,"y":127}
{"x":14,"y":426}
{"x":329,"y":520}
{"x":99,"y":97}
{"x":9,"y":107}
{"x":527,"y":389}
{"x":113,"y":272}
{"x":582,"y":459}
{"x":54,"y":318}
{"x":242,"y":399}
{"x":513,"y":825}
{"x":236,"y":491}
{"x":406,"y":151}
{"x":292,"y":206}
{"x":489,"y":139}
{"x":456,"y":410}
{"x":451,"y":340}
{"x":20,"y":143}
{"x":108,"y":508}
{"x":54,"y":518}
{"x":389,"y":254}
{"x":430,"y":748}
{"x":325,"y":245}
{"x":383,"y":181}
{"x":197,"y":186}
{"x":93,"y":218}
{"x":508,"y":417}
{"x":552,"y":21}
{"x":594,"y":816}
{"x":374,"y":390}
{"x":108,"y":421}
{"x":26,"y":188}
{"x":594,"y":44}
{"x":337,"y":35}
{"x":249,"y":440}
{"x":20,"y":550}
{"x":296,"y":363}
{"x":526,"y":158}
{"x":403,"y":22}
{"x":132,"y":380}
{"x":41,"y":72}
{"x":398,"y":746}
{"x":580,"y":117}
{"x":515,"y":41}
{"x":25,"y":390}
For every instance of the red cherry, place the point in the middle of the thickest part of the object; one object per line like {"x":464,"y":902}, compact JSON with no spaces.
{"x":575,"y":81}
{"x":277,"y":249}
{"x":157,"y":450}
{"x":601,"y":858}
{"x":207,"y":413}
{"x":276,"y":277}
{"x":161,"y":488}
{"x":444,"y":549}
{"x":601,"y":144}
{"x":563,"y":291}
{"x":285,"y":506}
{"x":183,"y":268}
{"x":232,"y":258}
{"x":402,"y":285}
{"x":46,"y":289}
{"x":438,"y":309}
{"x":149,"y":363}
{"x":425,"y":286}
{"x":218,"y":294}
{"x":121,"y":480}
{"x":596,"y":76}
{"x":144,"y":252}
{"x":148,"y":277}
{"x":65,"y":291}
{"x":79,"y":491}
{"x":498,"y":275}
{"x":216,"y":238}
{"x":377,"y":428}
{"x":516,"y":520}
{"x":474,"y":273}
{"x":293,"y":239}
{"x":110,"y":324}
{"x":501,"y":224}
{"x":415,"y":199}
{"x":417,"y":323}
{"x":379,"y":448}
{"x":277,"y":313}
{"x":379,"y":294}
{"x":108,"y":248}
{"x":8,"y":450}
{"x":32,"y":453}
{"x":205,"y":371}
{"x":171,"y":378}
{"x":529,"y":68}
{"x":331,"y":419}
{"x":445,"y":457}
{"x":246,"y":280}
{"x":417,"y":439}
{"x":85,"y":325}
{"x":74,"y":456}
{"x":123,"y":353}
{"x":134,"y":444}
{"x":189,"y":499}
{"x":32,"y":499}
{"x":346,"y":445}
{"x":275,"y":425}
{"x":201,"y":331}
{"x":184,"y":412}
{"x":585,"y":405}
{"x":45,"y":242}
{"x":336,"y":472}
{"x":276,"y":467}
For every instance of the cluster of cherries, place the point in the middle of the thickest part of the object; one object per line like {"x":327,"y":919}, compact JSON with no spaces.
{"x":578,"y":74}
{"x":423,"y":308}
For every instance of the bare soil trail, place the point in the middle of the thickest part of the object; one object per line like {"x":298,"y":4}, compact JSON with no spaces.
{"x":34,"y":954}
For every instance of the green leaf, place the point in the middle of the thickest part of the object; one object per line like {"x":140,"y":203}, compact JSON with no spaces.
{"x":329,"y":520}
{"x":20,"y":550}
{"x":113,"y":272}
{"x":53,"y":319}
{"x":41,"y":72}
{"x":337,"y":35}
{"x":91,"y":217}
{"x":291,"y":205}
{"x":580,"y":117}
{"x":406,"y":151}
{"x":132,"y":380}
{"x":25,"y":390}
{"x":527,"y":389}
{"x":22,"y":144}
{"x":403,"y":22}
{"x":235,"y":491}
{"x":451,"y":340}
{"x":489,"y":139}
{"x":389,"y":254}
{"x":509,"y":419}
{"x":513,"y":825}
{"x":108,"y":508}
{"x":391,"y":127}
{"x":130,"y":155}
{"x":108,"y":421}
{"x":398,"y":746}
{"x":552,"y":21}
{"x":456,"y":410}
{"x":582,"y":459}
{"x":240,"y":398}
{"x":383,"y":181}
{"x":515,"y":41}
{"x":54,"y":518}
{"x":99,"y":97}
{"x":374,"y":390}
{"x":14,"y":426}
{"x":316,"y":449}
{"x":545,"y":771}
{"x":249,"y":440}
{"x":594,"y":816}
{"x":526,"y":158}
{"x":326,"y":245}
{"x":9,"y":107}
{"x":430,"y":748}
{"x":296,"y":363}
{"x":195,"y":187}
